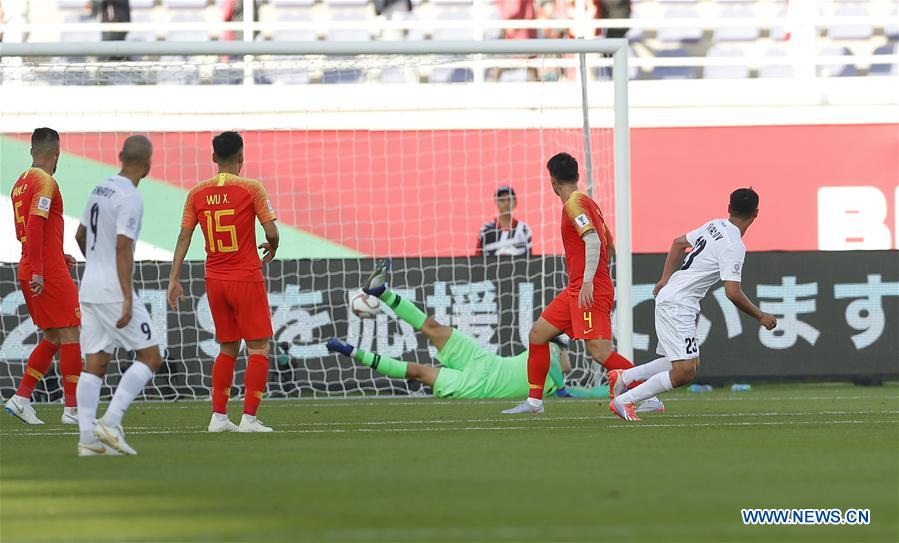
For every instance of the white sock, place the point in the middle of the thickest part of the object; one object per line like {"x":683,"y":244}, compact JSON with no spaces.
{"x":534,"y":402}
{"x":658,"y":383}
{"x":219,"y":417}
{"x":88,"y":396}
{"x":132,"y":383}
{"x":22,"y":400}
{"x":645,"y":371}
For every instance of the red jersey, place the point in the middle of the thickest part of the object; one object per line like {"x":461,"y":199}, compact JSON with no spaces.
{"x":226,"y":206}
{"x":581,"y":215}
{"x":36,"y":193}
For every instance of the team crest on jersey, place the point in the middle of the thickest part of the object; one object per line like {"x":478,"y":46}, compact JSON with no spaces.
{"x":737,"y":267}
{"x":43,"y":203}
{"x":581,"y":220}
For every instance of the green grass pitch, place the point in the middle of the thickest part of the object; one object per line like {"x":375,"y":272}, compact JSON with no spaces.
{"x":405,"y":469}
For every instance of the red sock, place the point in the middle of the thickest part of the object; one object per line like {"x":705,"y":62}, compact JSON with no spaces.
{"x":222,"y":379}
{"x":70,"y":368}
{"x":538,"y":367}
{"x":38,"y":364}
{"x":617,"y":362}
{"x":255,"y":380}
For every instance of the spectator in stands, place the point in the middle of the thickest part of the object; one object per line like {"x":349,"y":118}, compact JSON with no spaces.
{"x":551,"y":10}
{"x":504,"y":235}
{"x":390,"y":7}
{"x":517,"y":9}
{"x":111,"y":11}
{"x":613,"y":9}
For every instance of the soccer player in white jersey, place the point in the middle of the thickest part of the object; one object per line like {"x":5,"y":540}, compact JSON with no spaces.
{"x":111,"y":313}
{"x":717,"y":253}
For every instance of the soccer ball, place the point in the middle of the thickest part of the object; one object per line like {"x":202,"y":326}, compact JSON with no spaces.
{"x":365,"y":306}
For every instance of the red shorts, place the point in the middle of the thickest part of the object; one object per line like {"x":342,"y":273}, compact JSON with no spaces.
{"x":55,"y":307}
{"x":592,"y":323}
{"x":239,"y":310}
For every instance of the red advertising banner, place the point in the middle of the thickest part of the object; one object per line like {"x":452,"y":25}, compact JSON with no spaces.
{"x":428,"y":192}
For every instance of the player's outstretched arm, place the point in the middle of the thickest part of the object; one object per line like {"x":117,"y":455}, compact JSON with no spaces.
{"x":734,"y":292}
{"x":124,"y":263}
{"x":272,"y":237}
{"x":175,"y":292}
{"x":675,"y":255}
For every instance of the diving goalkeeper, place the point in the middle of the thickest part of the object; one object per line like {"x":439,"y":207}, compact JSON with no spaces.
{"x":468,"y":371}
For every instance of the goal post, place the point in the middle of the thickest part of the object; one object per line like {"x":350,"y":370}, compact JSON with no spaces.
{"x":186,"y":115}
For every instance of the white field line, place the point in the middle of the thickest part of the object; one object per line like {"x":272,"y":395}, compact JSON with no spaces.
{"x":498,"y":420}
{"x":177,"y":431}
{"x":351,"y":402}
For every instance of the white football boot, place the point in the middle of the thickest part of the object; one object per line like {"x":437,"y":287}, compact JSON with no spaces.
{"x":524,"y":408}
{"x":96,"y":448}
{"x":249,"y":424}
{"x":113,"y":436}
{"x":69,"y":415}
{"x":651,"y":405}
{"x":217,"y":425}
{"x":22,"y":411}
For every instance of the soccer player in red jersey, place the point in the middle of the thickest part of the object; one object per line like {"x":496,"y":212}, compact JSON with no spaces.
{"x":225,"y":207}
{"x":50,"y":293}
{"x":584,"y":309}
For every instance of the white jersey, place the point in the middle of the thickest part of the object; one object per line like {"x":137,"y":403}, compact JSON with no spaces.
{"x":114,"y":208}
{"x":718,"y":253}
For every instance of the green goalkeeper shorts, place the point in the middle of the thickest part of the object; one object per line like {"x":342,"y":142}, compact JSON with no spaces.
{"x":465,"y":364}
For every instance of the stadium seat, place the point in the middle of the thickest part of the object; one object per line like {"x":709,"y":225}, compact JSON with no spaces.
{"x":289,"y":70}
{"x":514,"y":75}
{"x":736,"y":33}
{"x":347,"y":2}
{"x":140,"y":4}
{"x":836,"y":70}
{"x":775,"y":70}
{"x":71,"y":4}
{"x":725,"y":72}
{"x":294,"y":34}
{"x":80,"y":35}
{"x":885,"y":69}
{"x":188,"y":16}
{"x":891,"y":31}
{"x":451,"y":75}
{"x":454,"y":14}
{"x":674,"y":72}
{"x":850,"y":31}
{"x":291,"y":3}
{"x":349,"y":34}
{"x":184,"y":4}
{"x":681,"y":33}
{"x":141,"y":16}
{"x":347,"y":75}
{"x":396,"y":74}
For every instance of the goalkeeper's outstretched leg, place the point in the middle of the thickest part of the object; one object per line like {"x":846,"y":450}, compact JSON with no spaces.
{"x":377,"y":285}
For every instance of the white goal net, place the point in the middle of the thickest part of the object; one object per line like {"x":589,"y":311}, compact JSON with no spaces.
{"x":363,"y":156}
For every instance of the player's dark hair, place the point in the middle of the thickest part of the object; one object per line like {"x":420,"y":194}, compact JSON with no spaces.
{"x":563,"y":168}
{"x":226,"y":145}
{"x":743,"y":203}
{"x":44,"y":140}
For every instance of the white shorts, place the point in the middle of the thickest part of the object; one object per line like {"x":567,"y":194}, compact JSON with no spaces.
{"x":676,"y":328}
{"x":99,"y":332}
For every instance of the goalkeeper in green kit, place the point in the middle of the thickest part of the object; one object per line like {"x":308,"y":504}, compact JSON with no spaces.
{"x":468,"y":370}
